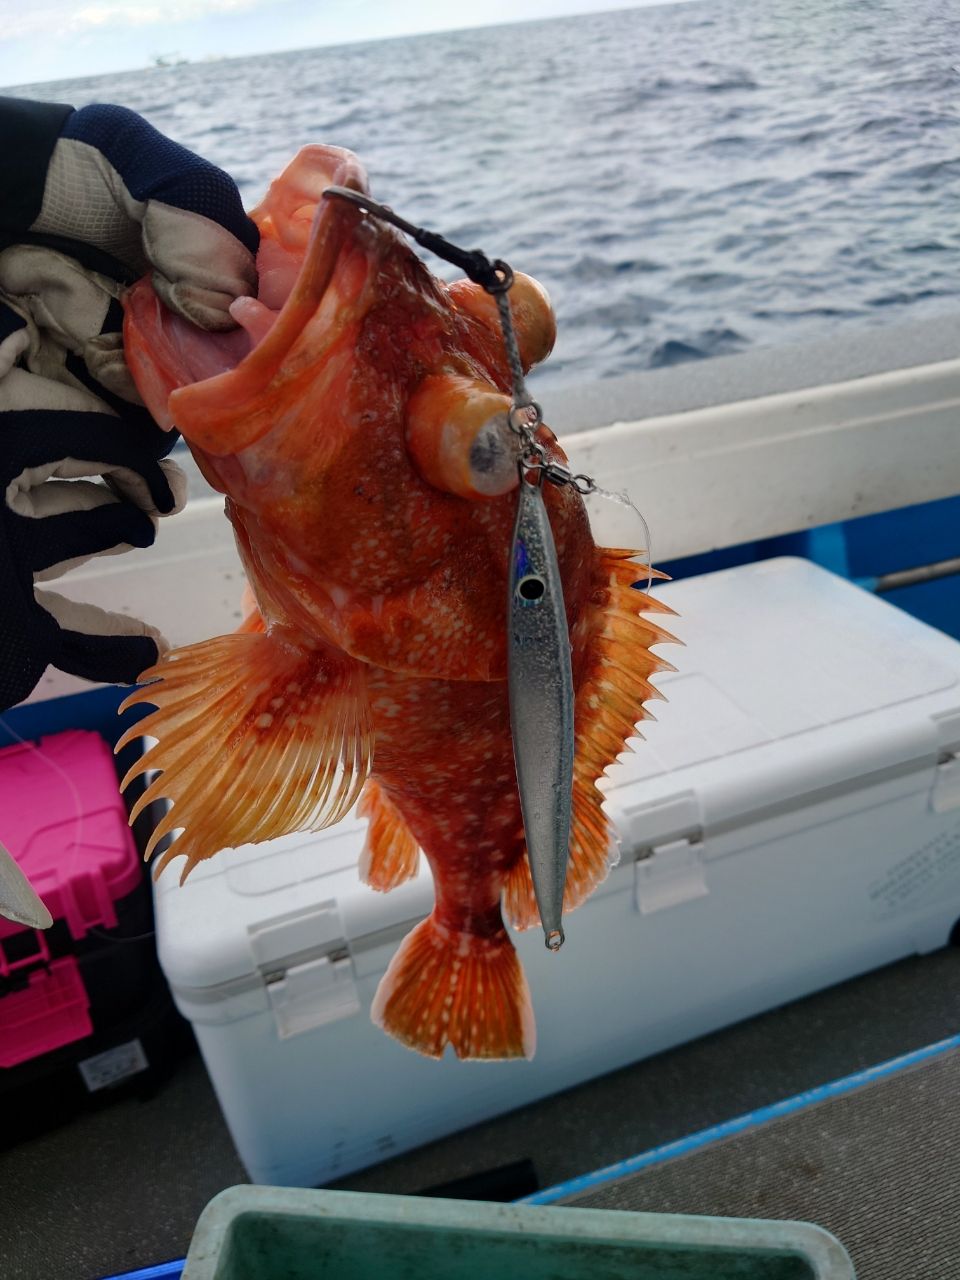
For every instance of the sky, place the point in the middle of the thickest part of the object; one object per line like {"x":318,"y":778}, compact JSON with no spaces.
{"x":44,"y":40}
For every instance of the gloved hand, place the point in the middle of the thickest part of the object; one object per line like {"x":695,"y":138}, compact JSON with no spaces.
{"x":89,"y":201}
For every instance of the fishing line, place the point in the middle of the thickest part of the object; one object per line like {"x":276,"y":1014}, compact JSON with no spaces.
{"x":622,"y":499}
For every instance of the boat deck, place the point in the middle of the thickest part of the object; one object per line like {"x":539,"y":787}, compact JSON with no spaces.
{"x":122,"y":1188}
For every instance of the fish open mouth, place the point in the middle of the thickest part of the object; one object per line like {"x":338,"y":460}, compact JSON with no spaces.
{"x":302,"y":236}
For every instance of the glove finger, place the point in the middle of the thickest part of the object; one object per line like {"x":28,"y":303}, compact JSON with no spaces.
{"x":39,"y":446}
{"x":160,"y":489}
{"x":179,"y":485}
{"x":106,"y":659}
{"x":34,"y":495}
{"x":154,"y":487}
{"x":208,"y":308}
{"x":61,"y":542}
{"x":111,"y":648}
{"x":23,"y":660}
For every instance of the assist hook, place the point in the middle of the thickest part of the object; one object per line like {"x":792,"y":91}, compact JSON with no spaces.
{"x":496,"y":277}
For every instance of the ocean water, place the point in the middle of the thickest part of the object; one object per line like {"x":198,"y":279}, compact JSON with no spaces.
{"x":686,"y":180}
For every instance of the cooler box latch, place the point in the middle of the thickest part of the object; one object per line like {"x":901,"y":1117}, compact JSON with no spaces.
{"x":664,"y":840}
{"x":307,"y":969}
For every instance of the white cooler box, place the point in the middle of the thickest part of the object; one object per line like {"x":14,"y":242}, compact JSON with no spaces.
{"x":793,"y":819}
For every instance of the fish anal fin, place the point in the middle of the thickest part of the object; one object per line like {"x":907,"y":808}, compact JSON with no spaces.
{"x":446,"y":988}
{"x":256,"y":737}
{"x":593,"y":851}
{"x":519,"y":900}
{"x":390,"y":853}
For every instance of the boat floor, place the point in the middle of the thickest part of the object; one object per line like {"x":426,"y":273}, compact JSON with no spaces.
{"x":122,"y":1188}
{"x":878,"y":1166}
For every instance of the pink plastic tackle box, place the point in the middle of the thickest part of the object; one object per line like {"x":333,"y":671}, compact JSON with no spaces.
{"x":81,"y":1001}
{"x":792,"y":819}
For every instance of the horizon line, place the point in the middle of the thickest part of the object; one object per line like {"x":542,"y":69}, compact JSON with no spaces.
{"x":348,"y":44}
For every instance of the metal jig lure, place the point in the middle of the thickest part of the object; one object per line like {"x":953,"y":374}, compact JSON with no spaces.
{"x":540,"y":671}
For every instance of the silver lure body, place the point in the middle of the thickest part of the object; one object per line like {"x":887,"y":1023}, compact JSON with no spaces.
{"x":540,"y":679}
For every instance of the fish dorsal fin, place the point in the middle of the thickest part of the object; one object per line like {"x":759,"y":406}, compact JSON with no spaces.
{"x":612,"y":687}
{"x":257,"y":736}
{"x":390,"y":854}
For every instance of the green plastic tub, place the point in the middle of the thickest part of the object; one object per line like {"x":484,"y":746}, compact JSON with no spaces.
{"x":274,"y":1233}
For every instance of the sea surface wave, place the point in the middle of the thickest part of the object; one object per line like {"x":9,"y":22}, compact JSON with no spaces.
{"x":686,"y":180}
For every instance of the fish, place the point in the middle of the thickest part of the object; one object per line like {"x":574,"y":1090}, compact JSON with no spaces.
{"x":357,"y":423}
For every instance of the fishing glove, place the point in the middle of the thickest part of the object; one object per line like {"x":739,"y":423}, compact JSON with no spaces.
{"x":90,"y":200}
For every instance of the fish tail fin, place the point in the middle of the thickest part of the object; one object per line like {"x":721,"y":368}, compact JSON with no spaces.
{"x":612,"y":686}
{"x":390,"y":853}
{"x":256,"y":737}
{"x":444,"y":987}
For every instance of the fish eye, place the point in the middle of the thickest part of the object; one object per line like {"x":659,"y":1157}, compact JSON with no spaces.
{"x":531,"y":589}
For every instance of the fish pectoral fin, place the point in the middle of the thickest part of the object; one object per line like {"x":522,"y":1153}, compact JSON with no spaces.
{"x":447,"y":988}
{"x":252,"y":617}
{"x":390,"y":854}
{"x":256,"y":737}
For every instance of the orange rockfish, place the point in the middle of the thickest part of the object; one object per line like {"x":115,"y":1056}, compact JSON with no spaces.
{"x":357,"y":424}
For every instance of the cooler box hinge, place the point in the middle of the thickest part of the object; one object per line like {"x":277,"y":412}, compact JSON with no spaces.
{"x":664,"y":839}
{"x":945,"y":793}
{"x":306,"y":967}
{"x":667,"y":874}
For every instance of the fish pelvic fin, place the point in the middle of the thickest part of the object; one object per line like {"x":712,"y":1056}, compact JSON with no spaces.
{"x":614,"y":682}
{"x":256,"y":737}
{"x":390,"y":853}
{"x":448,"y":988}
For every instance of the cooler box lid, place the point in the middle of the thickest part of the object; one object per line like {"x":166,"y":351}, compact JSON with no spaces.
{"x":792,"y":682}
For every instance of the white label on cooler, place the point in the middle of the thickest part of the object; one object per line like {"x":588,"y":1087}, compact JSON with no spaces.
{"x":114,"y":1065}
